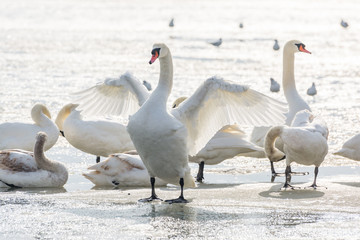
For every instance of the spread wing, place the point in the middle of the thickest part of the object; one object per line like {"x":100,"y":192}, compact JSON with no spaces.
{"x":217,"y":103}
{"x":121,"y":96}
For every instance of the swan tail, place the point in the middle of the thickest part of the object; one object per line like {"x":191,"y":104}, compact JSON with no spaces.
{"x":271,"y":151}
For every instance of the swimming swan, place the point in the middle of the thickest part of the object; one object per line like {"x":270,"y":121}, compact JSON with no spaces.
{"x":295,"y":102}
{"x":351,"y":148}
{"x":164,"y":139}
{"x":18,"y":135}
{"x":20,"y":168}
{"x":121,"y":169}
{"x":97,"y":137}
{"x":305,"y":142}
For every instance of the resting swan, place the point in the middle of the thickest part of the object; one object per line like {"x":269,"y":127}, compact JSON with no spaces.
{"x":351,"y":148}
{"x":100,"y":137}
{"x":295,"y":101}
{"x":164,"y":139}
{"x":18,"y":135}
{"x":19,"y":168}
{"x":121,"y":169}
{"x":305,"y":142}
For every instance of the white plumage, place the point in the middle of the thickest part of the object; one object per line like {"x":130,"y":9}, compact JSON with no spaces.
{"x":97,"y":137}
{"x":305,"y":142}
{"x":121,"y":169}
{"x":19,"y":135}
{"x":351,"y":148}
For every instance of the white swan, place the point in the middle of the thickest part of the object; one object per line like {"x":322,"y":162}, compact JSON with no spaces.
{"x":164,"y":140}
{"x":19,"y":168}
{"x":227,"y":143}
{"x":276,"y":45}
{"x":351,"y":148}
{"x":295,"y":101}
{"x":97,"y":137}
{"x":305,"y":142}
{"x":274,"y":85}
{"x":121,"y":169}
{"x":311,"y":91}
{"x":18,"y":135}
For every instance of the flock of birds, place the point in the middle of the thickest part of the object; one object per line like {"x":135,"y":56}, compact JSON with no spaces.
{"x":158,"y":143}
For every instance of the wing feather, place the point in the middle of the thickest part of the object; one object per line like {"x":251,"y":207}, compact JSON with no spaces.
{"x":121,"y":96}
{"x":217,"y":103}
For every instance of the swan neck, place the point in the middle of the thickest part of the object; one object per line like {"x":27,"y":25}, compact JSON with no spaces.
{"x":42,"y":161}
{"x":289,"y":85}
{"x":166,"y":75}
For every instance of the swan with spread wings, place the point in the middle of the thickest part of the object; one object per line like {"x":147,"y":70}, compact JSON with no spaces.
{"x":165,"y":138}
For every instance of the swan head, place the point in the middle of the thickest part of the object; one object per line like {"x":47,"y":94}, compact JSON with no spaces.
{"x":178,"y":101}
{"x":159,"y":50}
{"x":41,"y":137}
{"x":302,"y":118}
{"x":295,"y":46}
{"x":63,"y":114}
{"x":39,"y":108}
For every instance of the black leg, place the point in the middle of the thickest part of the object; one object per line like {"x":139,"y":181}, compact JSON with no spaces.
{"x":200,"y":174}
{"x":97,"y":159}
{"x":287,"y":178}
{"x":181,"y":198}
{"x":153,"y":195}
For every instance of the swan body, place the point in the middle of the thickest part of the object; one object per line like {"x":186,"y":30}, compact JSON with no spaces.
{"x":305,"y":142}
{"x":20,"y":168}
{"x":295,"y":101}
{"x":227,"y":143}
{"x":121,"y":169}
{"x":276,"y":45}
{"x":312,"y":90}
{"x":351,"y":148}
{"x":18,"y":135}
{"x":97,"y":137}
{"x":274,"y":85}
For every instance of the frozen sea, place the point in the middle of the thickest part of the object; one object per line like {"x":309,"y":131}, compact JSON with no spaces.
{"x":49,"y":49}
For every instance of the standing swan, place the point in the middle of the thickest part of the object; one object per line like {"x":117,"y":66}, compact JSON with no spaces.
{"x":164,"y":139}
{"x":18,"y":135}
{"x":19,"y":168}
{"x":100,"y":137}
{"x":295,"y":101}
{"x":305,"y":142}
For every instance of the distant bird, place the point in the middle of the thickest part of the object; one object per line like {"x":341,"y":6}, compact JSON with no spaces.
{"x":311,"y":90}
{"x":344,"y":24}
{"x":276,"y":45}
{"x":171,"y":23}
{"x":274,"y":85}
{"x":241,"y":25}
{"x":217,"y":43}
{"x":147,"y":85}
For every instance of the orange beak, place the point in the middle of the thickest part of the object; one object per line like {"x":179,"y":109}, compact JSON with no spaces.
{"x":154,"y":57}
{"x":303,"y":49}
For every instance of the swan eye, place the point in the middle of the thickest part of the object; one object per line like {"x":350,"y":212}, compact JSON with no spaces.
{"x":301,"y":47}
{"x":155,"y":54}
